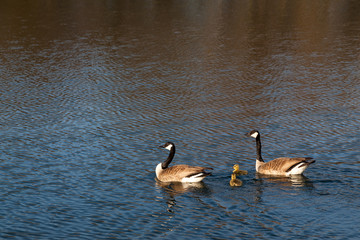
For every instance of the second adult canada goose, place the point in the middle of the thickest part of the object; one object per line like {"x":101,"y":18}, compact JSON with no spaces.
{"x":283,"y":166}
{"x":179,"y":173}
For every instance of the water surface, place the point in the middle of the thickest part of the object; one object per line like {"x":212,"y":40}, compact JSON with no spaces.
{"x":89,"y":89}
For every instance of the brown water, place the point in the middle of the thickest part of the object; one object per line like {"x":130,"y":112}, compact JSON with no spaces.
{"x":89,"y":89}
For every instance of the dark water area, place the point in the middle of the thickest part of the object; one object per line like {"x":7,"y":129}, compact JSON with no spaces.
{"x":89,"y":89}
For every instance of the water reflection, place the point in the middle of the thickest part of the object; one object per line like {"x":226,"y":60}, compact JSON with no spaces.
{"x":291,"y":181}
{"x":87,"y":86}
{"x":176,"y":188}
{"x":173,"y":189}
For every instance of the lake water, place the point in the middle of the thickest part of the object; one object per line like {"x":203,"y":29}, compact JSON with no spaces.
{"x":90,"y":89}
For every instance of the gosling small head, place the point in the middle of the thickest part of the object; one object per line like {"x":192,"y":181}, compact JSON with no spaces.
{"x":236,"y":167}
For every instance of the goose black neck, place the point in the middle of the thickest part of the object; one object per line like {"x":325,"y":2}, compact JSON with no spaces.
{"x":258,"y":149}
{"x":169,"y":159}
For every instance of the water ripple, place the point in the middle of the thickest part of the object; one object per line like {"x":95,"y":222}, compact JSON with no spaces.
{"x":89,"y":91}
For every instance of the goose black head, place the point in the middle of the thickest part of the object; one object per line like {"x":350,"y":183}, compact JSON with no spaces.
{"x":254,"y":133}
{"x":168,"y":145}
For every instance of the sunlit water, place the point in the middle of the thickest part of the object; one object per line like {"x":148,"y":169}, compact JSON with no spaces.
{"x":89,"y":89}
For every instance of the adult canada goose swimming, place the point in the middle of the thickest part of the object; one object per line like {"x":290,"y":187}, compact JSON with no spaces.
{"x":179,"y":173}
{"x":283,"y":166}
{"x":235,"y":182}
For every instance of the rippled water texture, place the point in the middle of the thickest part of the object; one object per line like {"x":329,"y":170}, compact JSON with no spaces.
{"x":89,"y":89}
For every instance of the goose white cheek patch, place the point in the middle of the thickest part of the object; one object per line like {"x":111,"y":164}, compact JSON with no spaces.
{"x":169,"y":147}
{"x":255,"y":134}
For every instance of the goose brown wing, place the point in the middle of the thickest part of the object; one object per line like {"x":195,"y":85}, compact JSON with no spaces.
{"x":178,"y":172}
{"x":284,"y":164}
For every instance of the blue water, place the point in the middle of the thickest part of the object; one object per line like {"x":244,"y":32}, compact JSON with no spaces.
{"x":89,"y":90}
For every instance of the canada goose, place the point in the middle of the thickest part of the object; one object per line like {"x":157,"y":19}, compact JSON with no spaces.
{"x":284,"y":166}
{"x":235,"y":182}
{"x":237,"y":170}
{"x":178,"y":173}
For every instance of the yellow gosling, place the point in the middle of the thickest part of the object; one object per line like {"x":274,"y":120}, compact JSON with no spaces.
{"x":237,"y":170}
{"x":235,"y":182}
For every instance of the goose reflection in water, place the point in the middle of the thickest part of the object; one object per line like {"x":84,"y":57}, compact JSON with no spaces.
{"x":264,"y":183}
{"x":177,"y":188}
{"x":173,"y":189}
{"x":291,"y":181}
